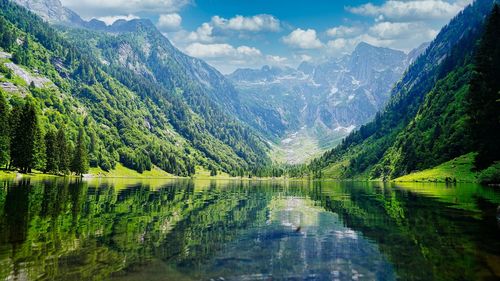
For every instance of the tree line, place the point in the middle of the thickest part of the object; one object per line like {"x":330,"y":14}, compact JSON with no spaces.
{"x":24,"y":146}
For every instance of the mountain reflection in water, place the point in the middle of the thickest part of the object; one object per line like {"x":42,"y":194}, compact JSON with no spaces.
{"x":59,"y":229}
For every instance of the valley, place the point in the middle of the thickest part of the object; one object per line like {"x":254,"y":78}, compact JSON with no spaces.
{"x":200,"y":140}
{"x":144,"y":104}
{"x":319,"y":104}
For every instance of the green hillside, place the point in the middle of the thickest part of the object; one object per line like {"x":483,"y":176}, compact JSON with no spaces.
{"x":457,"y":170}
{"x":440,"y":110}
{"x":128,"y":119}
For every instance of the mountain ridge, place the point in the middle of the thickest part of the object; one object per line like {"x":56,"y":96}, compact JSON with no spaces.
{"x":324,"y":101}
{"x":384,"y":148}
{"x":137,"y":120}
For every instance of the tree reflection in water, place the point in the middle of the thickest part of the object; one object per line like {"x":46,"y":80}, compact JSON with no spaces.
{"x":60,"y":229}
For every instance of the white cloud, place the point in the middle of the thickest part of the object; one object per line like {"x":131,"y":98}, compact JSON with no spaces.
{"x":343,"y":31}
{"x":201,"y":34}
{"x":276,"y":59}
{"x":397,"y":24}
{"x":304,"y":57}
{"x":248,"y":51}
{"x":410,"y":10}
{"x":400,"y":36}
{"x":218,"y":28}
{"x":255,"y":23}
{"x":227,"y":58}
{"x":93,"y":8}
{"x":304,"y":39}
{"x":220,"y":51}
{"x":169,"y":21}
{"x":400,"y":30}
{"x":109,"y":20}
{"x":340,"y":45}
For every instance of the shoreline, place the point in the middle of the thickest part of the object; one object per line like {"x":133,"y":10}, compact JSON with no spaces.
{"x":15,"y":174}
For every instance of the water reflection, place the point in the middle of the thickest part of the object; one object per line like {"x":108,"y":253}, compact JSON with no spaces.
{"x":60,"y":229}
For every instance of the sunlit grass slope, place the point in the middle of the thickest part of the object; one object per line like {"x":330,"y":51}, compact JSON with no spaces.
{"x":458,"y":169}
{"x":121,"y":171}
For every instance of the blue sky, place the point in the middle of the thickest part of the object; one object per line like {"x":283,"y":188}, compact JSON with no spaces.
{"x":232,"y":34}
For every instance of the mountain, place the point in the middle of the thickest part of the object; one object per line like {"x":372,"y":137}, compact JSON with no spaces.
{"x":137,"y":49}
{"x":142,"y":100}
{"x":153,"y":56}
{"x":52,"y":11}
{"x":324,"y":101}
{"x":427,"y":119}
{"x":415,"y":53}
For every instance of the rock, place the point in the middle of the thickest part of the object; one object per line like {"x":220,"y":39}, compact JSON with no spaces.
{"x":27,"y":77}
{"x":9,"y":87}
{"x":4,"y":55}
{"x":52,"y":11}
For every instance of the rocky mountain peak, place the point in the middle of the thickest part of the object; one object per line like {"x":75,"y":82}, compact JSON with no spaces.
{"x":51,"y":11}
{"x":135,"y":25}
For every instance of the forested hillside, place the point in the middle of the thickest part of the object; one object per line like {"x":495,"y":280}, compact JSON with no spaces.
{"x":141,"y":58}
{"x":438,"y":111}
{"x":127,"y":118}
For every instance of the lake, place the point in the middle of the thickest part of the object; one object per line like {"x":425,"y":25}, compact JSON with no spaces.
{"x":68,"y":229}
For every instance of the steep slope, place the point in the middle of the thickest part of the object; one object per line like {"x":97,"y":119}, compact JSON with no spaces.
{"x":134,"y":119}
{"x":136,"y":51}
{"x":323,"y":102}
{"x":424,"y":123}
{"x":139,"y":46}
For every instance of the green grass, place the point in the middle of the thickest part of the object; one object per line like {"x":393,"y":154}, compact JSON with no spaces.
{"x":202,"y":173}
{"x":458,"y":169}
{"x":334,"y":171}
{"x":7,"y":174}
{"x":35,"y":174}
{"x":121,"y":171}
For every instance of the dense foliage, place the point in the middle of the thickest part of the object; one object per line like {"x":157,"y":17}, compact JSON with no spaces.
{"x":141,"y":58}
{"x":28,"y":148}
{"x":483,"y":100}
{"x":4,"y":131}
{"x":427,"y":120}
{"x":135,"y":119}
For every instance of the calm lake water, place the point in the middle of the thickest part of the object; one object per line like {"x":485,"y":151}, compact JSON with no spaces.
{"x":239,"y":230}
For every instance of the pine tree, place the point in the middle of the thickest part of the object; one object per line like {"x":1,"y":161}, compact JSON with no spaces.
{"x":51,"y":155}
{"x":4,"y":131}
{"x":39,"y":153}
{"x":213,"y":171}
{"x":190,"y":167}
{"x":14,"y":117}
{"x":62,"y":150}
{"x":80,"y":163}
{"x":24,"y":137}
{"x":484,"y":95}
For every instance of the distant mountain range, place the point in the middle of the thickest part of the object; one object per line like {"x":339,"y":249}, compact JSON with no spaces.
{"x":324,"y":101}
